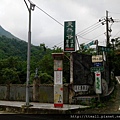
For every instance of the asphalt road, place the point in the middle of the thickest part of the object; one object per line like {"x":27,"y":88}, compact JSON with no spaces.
{"x":112,"y":106}
{"x":33,"y":117}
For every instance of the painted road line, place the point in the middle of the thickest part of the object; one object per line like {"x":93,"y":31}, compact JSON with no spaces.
{"x":118,"y":80}
{"x":119,"y":83}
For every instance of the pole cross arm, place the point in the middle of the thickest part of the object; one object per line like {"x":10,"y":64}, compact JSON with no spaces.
{"x":32,"y":6}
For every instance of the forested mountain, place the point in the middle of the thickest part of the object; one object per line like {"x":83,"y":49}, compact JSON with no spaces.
{"x":12,"y":47}
{"x":3,"y":32}
{"x":13,"y":59}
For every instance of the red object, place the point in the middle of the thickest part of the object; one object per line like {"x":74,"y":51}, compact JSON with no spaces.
{"x":61,"y":89}
{"x":97,"y":74}
{"x":60,"y":69}
{"x":58,"y":105}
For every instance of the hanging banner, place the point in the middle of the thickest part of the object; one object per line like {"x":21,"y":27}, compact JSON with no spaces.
{"x":69,"y":36}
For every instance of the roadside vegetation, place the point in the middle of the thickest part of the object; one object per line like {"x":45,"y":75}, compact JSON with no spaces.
{"x":13,"y":61}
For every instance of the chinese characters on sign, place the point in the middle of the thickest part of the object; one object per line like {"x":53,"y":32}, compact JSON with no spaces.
{"x":102,"y":48}
{"x":58,"y":77}
{"x":97,"y":58}
{"x":69,"y":36}
{"x":98,"y":82}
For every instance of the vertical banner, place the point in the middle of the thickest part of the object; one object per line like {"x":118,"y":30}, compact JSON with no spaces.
{"x":98,"y":82}
{"x":69,"y":36}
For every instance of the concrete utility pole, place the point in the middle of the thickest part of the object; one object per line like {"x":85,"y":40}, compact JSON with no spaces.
{"x":32,"y":6}
{"x":107,"y":29}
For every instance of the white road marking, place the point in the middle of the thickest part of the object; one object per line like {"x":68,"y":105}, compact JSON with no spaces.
{"x":118,"y":80}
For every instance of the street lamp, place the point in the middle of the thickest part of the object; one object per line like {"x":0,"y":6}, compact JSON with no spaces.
{"x":32,"y":6}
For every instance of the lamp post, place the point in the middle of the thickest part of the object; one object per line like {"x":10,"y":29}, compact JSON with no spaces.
{"x":32,"y":6}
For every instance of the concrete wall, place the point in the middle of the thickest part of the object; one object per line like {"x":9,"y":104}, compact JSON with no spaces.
{"x":17,"y":92}
{"x":3,"y":92}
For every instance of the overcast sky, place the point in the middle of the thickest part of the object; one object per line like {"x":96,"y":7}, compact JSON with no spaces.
{"x":14,"y":18}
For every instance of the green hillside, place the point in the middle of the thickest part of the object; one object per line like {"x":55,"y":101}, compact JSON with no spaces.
{"x":3,"y":32}
{"x":12,"y":47}
{"x":13,"y":60}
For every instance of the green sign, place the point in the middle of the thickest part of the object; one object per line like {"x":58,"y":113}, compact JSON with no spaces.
{"x":103,"y":49}
{"x":98,"y":82}
{"x":89,"y":44}
{"x":93,"y":69}
{"x":69,"y":36}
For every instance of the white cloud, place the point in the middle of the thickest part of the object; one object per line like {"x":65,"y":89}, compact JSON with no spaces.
{"x":14,"y":18}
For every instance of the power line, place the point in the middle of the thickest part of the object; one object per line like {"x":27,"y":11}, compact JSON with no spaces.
{"x":89,"y":38}
{"x":83,"y":32}
{"x":87,"y":28}
{"x":116,"y":33}
{"x":114,"y":12}
{"x":59,"y":43}
{"x":94,"y":28}
{"x":50,"y":16}
{"x":47,"y":14}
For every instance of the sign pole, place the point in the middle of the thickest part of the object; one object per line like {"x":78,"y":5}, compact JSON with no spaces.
{"x":97,"y":54}
{"x":71,"y":68}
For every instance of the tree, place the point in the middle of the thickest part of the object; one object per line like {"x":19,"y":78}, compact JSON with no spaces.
{"x":10,"y":75}
{"x":115,"y":55}
{"x":9,"y":70}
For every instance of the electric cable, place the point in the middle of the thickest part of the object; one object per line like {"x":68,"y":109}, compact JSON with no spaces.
{"x":89,"y":31}
{"x":84,"y":32}
{"x":47,"y":14}
{"x":86,"y":28}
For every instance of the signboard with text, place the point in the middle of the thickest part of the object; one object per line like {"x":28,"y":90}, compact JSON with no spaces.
{"x":97,"y":58}
{"x":98,"y":82}
{"x":94,"y":69}
{"x":97,"y":64}
{"x":58,"y":77}
{"x":103,"y":49}
{"x":69,"y":36}
{"x":89,"y":44}
{"x":79,"y":88}
{"x":58,"y":95}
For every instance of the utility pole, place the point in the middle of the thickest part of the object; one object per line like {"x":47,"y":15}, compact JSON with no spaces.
{"x":107,"y":29}
{"x":32,"y":6}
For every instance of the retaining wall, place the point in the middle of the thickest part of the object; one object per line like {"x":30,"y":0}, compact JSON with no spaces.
{"x":17,"y":92}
